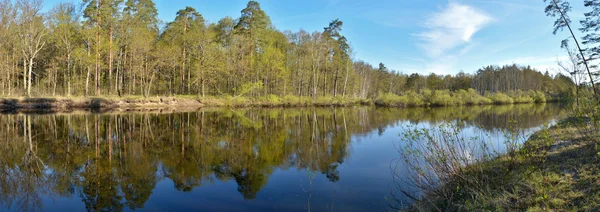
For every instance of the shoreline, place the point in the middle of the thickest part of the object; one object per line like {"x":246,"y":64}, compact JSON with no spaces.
{"x":138,"y":103}
{"x":135,"y":103}
{"x":556,"y":169}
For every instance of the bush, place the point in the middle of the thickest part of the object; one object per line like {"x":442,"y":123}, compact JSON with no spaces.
{"x":500,"y":98}
{"x":539,"y":97}
{"x":274,"y":99}
{"x":442,"y":98}
{"x":414,"y":99}
{"x":295,"y":100}
{"x":523,"y":100}
{"x":469,"y":97}
{"x":410,"y":99}
{"x":390,"y":100}
{"x":323,"y":100}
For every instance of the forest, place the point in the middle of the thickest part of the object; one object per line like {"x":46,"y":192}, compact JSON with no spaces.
{"x":121,"y":48}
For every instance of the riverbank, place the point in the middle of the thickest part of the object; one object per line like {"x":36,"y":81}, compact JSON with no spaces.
{"x":556,"y":170}
{"x":109,"y":103}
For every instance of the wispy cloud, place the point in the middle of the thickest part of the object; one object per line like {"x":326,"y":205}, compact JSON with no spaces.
{"x":450,"y":28}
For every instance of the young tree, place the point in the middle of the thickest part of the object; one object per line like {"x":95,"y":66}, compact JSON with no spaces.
{"x":8,"y":46}
{"x":225,"y":38}
{"x":138,"y":35}
{"x":102,"y":16}
{"x":66,"y":33}
{"x":181,"y":32}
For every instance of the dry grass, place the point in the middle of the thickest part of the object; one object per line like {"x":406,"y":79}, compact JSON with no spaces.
{"x":58,"y":104}
{"x":556,"y":170}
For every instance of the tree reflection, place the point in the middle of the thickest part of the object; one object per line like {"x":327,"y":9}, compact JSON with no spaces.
{"x":114,"y":161}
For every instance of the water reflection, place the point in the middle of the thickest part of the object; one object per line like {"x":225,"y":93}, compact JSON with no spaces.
{"x":115,"y":161}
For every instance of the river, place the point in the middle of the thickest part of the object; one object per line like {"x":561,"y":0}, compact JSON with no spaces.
{"x":297,"y":159}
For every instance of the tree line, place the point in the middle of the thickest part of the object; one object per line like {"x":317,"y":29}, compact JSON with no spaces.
{"x":120,"y":47}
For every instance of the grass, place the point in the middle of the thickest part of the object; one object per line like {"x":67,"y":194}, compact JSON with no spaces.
{"x":556,"y":170}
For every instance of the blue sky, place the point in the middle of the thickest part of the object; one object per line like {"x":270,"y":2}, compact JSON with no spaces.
{"x":413,"y":36}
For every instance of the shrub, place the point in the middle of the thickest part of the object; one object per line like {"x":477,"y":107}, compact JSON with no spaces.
{"x":240,"y":101}
{"x":442,"y":98}
{"x":414,"y":99}
{"x":539,"y":97}
{"x":410,"y":99}
{"x":273,"y":100}
{"x":500,"y":98}
{"x":295,"y":100}
{"x":426,"y":95}
{"x":323,"y":101}
{"x":523,"y":100}
{"x":390,"y":100}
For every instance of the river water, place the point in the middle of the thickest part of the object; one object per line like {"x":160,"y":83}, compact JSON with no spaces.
{"x":299,"y":159}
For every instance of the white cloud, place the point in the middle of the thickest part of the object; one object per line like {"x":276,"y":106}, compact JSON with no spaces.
{"x":450,"y":28}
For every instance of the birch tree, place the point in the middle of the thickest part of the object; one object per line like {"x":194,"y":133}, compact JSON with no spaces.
{"x":32,"y":33}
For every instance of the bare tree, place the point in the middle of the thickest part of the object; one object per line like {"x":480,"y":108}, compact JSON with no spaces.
{"x":573,"y":68}
{"x":32,"y":32}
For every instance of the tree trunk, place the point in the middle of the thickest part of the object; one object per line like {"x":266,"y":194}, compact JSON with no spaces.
{"x":87,"y":81}
{"x":69,"y":74}
{"x":346,"y":80}
{"x":117,"y":74}
{"x":98,"y":28}
{"x":182,"y":87}
{"x":335,"y":83}
{"x":55,"y":83}
{"x":29,"y":76}
{"x":25,"y":74}
{"x":149,"y":85}
{"x":110,"y":60}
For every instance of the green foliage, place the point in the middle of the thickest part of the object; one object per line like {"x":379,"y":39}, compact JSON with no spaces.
{"x":457,"y":98}
{"x":471,"y":97}
{"x":248,"y":87}
{"x":443,"y":98}
{"x":520,"y":97}
{"x":500,"y":98}
{"x":539,"y":97}
{"x":410,"y":99}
